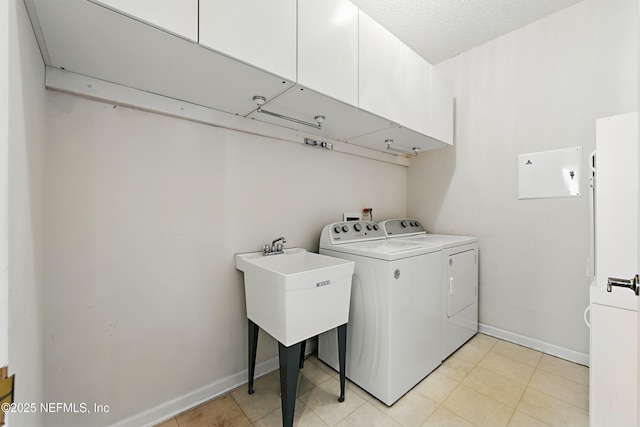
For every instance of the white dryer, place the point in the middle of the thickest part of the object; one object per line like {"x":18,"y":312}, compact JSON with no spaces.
{"x":394,"y":332}
{"x":459,"y":279}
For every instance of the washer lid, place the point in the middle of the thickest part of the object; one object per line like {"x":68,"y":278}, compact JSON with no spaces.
{"x":388,"y":249}
{"x":445,"y":241}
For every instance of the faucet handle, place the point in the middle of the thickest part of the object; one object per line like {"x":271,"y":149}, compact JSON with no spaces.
{"x":266,"y":249}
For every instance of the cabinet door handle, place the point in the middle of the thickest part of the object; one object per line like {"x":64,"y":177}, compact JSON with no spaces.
{"x":624,"y":283}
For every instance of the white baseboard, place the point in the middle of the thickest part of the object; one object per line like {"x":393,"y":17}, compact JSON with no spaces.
{"x":545,"y":347}
{"x":180,"y":404}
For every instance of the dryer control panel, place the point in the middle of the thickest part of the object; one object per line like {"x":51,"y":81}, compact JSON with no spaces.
{"x":351,"y":231}
{"x":402,"y":227}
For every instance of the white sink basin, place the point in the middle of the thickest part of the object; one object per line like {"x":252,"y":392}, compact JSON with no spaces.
{"x":296,"y":295}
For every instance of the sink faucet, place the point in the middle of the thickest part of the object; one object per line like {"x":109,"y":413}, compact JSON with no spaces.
{"x":275,"y":248}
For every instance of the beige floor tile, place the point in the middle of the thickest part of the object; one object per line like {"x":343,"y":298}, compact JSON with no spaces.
{"x":223,"y":411}
{"x":523,"y":420}
{"x":263,"y":401}
{"x":517,"y":352}
{"x":552,"y":411}
{"x":172,"y":422}
{"x":310,"y":376}
{"x":443,"y":417}
{"x":354,"y":388}
{"x":561,"y":388}
{"x":368,"y":415}
{"x":455,"y":368}
{"x":350,"y":386}
{"x":471,"y":353}
{"x":323,"y":400}
{"x":483,"y":341}
{"x":477,"y":408}
{"x":412,"y":410}
{"x":565,"y":369}
{"x":320,"y":364}
{"x":494,"y":385}
{"x":436,"y":386}
{"x":302,"y":417}
{"x":507,"y":367}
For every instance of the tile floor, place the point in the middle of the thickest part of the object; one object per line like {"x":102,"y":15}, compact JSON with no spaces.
{"x":487,"y":382}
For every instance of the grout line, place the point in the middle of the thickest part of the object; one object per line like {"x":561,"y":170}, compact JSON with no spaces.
{"x":239,"y":406}
{"x":526,"y":387}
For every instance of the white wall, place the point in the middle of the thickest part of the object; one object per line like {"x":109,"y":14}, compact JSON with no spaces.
{"x":144,"y":216}
{"x":26,"y":120}
{"x":538,"y":88}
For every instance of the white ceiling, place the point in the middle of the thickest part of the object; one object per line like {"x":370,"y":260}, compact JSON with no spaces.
{"x":440,"y":29}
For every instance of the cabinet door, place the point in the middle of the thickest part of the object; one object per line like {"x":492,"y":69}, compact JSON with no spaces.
{"x":259,"y":33}
{"x":179,"y":17}
{"x":402,"y":140}
{"x":394,"y":81}
{"x":441,"y":107}
{"x":328,"y":48}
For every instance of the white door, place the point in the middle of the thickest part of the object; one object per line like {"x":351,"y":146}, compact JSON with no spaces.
{"x":462,"y":274}
{"x":614,"y":315}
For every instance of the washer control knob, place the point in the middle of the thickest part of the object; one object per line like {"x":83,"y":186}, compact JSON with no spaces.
{"x":336,"y":229}
{"x":369,"y":227}
{"x":345,"y":228}
{"x":357,"y":227}
{"x":403,"y":223}
{"x":376,"y":227}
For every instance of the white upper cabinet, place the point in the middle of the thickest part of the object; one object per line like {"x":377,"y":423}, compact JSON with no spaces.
{"x":307,"y":58}
{"x":441,"y":107}
{"x":259,"y":33}
{"x":394,"y":81}
{"x":328,"y":48}
{"x":179,"y":17}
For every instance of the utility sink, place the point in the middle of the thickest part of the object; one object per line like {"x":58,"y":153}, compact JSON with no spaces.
{"x":297,"y":294}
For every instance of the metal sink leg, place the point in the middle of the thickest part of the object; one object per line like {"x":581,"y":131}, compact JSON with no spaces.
{"x":289,"y":366}
{"x":342,"y":357}
{"x":253,"y":347}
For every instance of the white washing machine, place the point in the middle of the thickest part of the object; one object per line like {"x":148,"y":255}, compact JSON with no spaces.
{"x":459,"y":279}
{"x":394,"y":332}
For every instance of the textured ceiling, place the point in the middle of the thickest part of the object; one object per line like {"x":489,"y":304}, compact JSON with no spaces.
{"x":440,"y":29}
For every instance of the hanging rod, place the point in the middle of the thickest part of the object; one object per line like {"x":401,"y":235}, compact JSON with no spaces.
{"x":260,"y":100}
{"x":411,"y":151}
